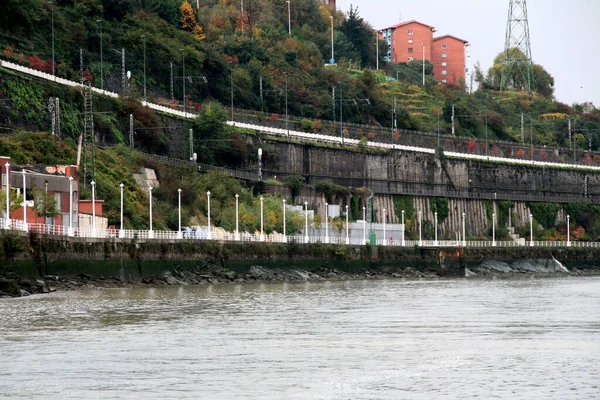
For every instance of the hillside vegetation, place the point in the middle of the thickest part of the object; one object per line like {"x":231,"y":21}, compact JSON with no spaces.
{"x":233,"y":51}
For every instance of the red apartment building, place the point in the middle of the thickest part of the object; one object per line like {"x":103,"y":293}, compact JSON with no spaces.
{"x":411,"y":40}
{"x":448,"y":58}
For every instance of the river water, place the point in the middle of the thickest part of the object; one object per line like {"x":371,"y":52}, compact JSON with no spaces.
{"x":388,"y":339}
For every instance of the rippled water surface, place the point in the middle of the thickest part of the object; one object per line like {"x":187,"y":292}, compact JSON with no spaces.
{"x":518,"y":339}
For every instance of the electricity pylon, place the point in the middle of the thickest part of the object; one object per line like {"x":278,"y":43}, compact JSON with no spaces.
{"x":518,"y":66}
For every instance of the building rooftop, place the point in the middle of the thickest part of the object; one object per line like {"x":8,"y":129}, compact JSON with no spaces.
{"x":451,"y":37}
{"x":401,"y":24}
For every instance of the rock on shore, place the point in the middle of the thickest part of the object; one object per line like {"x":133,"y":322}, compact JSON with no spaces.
{"x":209,"y":272}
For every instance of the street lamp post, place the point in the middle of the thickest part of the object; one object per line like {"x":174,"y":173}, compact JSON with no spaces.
{"x":384,"y":234}
{"x":24,"y":201}
{"x":403,"y":229}
{"x":179,"y":233}
{"x":332,"y":61}
{"x":420,"y":228}
{"x":436,"y":228}
{"x":151,"y":231}
{"x":70,"y":206}
{"x":287,"y":129}
{"x":464,"y":231}
{"x":52,"y":8}
{"x":237,"y":216}
{"x":93,"y":208}
{"x":530,"y":230}
{"x":289,"y":19}
{"x":101,"y":58}
{"x":121,"y":231}
{"x":326,"y":223}
{"x":144,"y":40}
{"x":364,"y":225}
{"x":7,"y":224}
{"x":347,"y":226}
{"x":494,"y":229}
{"x":423,"y":64}
{"x":305,"y":222}
{"x":568,"y":233}
{"x":208,"y":213}
{"x":262,"y":234}
{"x":284,"y":236}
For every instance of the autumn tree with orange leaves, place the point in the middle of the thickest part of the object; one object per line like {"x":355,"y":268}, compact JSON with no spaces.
{"x":188,"y":21}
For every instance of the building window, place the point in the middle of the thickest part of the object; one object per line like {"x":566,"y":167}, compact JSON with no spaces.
{"x":410,"y":31}
{"x":410,"y":49}
{"x":410,"y":59}
{"x":444,"y":81}
{"x":444,"y":46}
{"x":444,"y":63}
{"x":444,"y":55}
{"x":410,"y":41}
{"x":444,"y":72}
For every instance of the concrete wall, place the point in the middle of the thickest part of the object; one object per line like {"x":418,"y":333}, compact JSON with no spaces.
{"x":402,"y":172}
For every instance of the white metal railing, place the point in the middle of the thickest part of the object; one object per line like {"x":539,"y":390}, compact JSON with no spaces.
{"x":219,"y":234}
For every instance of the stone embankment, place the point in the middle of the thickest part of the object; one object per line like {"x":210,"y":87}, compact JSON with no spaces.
{"x":62,"y":265}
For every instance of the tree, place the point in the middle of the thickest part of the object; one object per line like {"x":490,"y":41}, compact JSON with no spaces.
{"x":210,"y":133}
{"x":361,"y":36}
{"x":544,"y":82}
{"x":45,"y":205}
{"x":14,"y":199}
{"x":188,"y":21}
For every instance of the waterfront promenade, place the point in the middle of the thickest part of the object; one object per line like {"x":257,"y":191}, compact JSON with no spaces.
{"x":220,"y":235}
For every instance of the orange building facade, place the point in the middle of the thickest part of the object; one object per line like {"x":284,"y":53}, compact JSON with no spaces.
{"x":448,"y":58}
{"x":408,"y":41}
{"x":413,"y":40}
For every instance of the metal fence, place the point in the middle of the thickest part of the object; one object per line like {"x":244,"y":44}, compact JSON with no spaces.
{"x":201,"y":167}
{"x":222,"y":236}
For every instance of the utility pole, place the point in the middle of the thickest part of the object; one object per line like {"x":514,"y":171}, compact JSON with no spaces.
{"x":123,"y":73}
{"x":341,"y":114}
{"x":183,"y":78}
{"x":262,"y":102}
{"x":333,"y":100}
{"x":52,"y":8}
{"x":131,"y":142}
{"x":531,"y":134}
{"x":377,"y":50}
{"x":231,"y":85}
{"x":144,"y":39}
{"x":522,"y":128}
{"x":192,"y":145}
{"x":453,"y":120}
{"x":486,"y":130}
{"x":101,"y":58}
{"x":394,"y":119}
{"x":570,"y":144}
{"x":172,"y":96}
